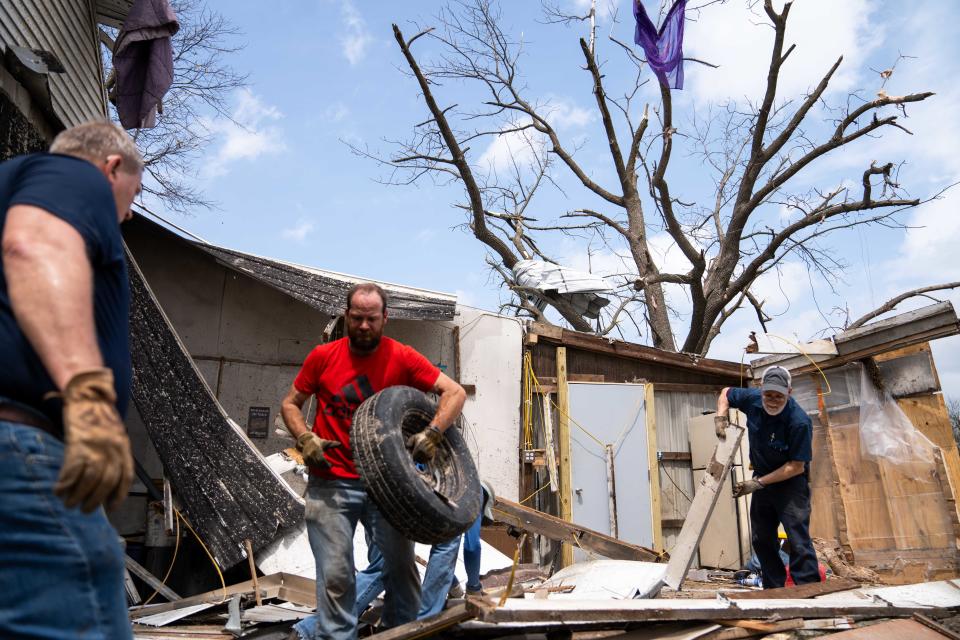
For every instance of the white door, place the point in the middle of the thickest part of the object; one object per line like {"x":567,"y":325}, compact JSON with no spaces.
{"x":610,"y":414}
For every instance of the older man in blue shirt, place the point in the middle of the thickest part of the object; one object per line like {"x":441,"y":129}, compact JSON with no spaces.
{"x":780,"y":435}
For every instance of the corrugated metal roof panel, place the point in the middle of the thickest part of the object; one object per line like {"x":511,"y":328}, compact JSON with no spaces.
{"x":67,"y":29}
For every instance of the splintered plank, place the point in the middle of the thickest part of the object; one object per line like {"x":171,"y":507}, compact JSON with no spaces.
{"x":600,"y":612}
{"x":698,"y":515}
{"x":537,"y":522}
{"x":892,"y":630}
{"x":809,"y":590}
{"x":429,"y":626}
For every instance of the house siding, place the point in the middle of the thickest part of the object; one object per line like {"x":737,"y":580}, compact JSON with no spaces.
{"x":66,"y":28}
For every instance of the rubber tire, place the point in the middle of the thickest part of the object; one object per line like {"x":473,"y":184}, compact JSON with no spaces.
{"x":381,"y":427}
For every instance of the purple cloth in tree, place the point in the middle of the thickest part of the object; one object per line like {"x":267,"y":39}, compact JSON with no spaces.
{"x":664,"y":48}
{"x":143,"y":60}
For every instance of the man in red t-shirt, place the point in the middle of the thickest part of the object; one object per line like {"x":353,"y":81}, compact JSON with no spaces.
{"x":341,"y":375}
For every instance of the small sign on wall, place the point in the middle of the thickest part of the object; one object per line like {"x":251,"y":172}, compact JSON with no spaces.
{"x":258,"y":419}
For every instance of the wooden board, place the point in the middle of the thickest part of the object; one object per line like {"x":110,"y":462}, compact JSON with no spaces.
{"x":563,"y":437}
{"x":427,"y":627}
{"x":571,"y":612}
{"x":701,"y":508}
{"x":892,"y":630}
{"x":929,"y":415}
{"x":653,"y":467}
{"x":810,"y":590}
{"x":533,"y":521}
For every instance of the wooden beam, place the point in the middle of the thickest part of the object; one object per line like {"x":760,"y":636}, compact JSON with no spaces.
{"x":684,"y":387}
{"x":681,"y":456}
{"x":750,"y":628}
{"x":537,"y":522}
{"x":429,"y":626}
{"x":150,"y":579}
{"x":589,"y":342}
{"x":563,"y":437}
{"x":605,"y":612}
{"x":653,"y":467}
{"x":813,"y":589}
{"x":270,"y":587}
{"x":717,"y":472}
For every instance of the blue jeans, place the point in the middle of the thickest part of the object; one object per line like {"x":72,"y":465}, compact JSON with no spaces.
{"x":471,"y":555}
{"x":61,"y":570}
{"x":437,"y":579}
{"x":333,"y":509}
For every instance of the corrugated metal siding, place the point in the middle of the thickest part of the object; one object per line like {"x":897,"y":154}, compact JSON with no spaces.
{"x":68,"y":30}
{"x":673,"y":409}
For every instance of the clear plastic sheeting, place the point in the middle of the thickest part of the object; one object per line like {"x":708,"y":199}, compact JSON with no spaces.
{"x":581,"y":288}
{"x":886,"y":434}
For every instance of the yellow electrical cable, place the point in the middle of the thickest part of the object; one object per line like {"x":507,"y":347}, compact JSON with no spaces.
{"x":513,"y":571}
{"x":176,"y":547}
{"x":223,"y":583}
{"x":546,"y":486}
{"x":804,"y":354}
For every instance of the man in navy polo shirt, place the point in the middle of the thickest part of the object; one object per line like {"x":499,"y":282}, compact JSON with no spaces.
{"x":780,"y":434}
{"x":64,"y":384}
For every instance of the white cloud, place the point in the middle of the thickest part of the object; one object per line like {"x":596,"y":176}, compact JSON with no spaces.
{"x":739,"y":40}
{"x":299,"y":231}
{"x":564,"y":115}
{"x":357,"y":37}
{"x":249,"y":133}
{"x":336,"y":112}
{"x":511,"y":148}
{"x":426,"y":235}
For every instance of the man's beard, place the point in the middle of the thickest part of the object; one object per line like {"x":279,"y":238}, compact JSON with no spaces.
{"x":364,"y":343}
{"x":766,"y":408}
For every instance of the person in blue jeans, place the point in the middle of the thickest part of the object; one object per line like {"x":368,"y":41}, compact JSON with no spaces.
{"x":64,"y":384}
{"x":439,"y":578}
{"x":341,"y":375}
{"x":780,"y":434}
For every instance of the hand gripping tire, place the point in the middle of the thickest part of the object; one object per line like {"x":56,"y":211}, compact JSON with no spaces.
{"x":431,"y":505}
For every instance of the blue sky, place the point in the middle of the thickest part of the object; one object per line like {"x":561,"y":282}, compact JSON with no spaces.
{"x":327,"y":71}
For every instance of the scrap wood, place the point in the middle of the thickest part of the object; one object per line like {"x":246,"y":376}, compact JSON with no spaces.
{"x":539,"y":523}
{"x":810,"y":590}
{"x":717,"y":472}
{"x":936,"y":626}
{"x":429,"y":626}
{"x":829,"y":551}
{"x":290,"y":587}
{"x":750,"y":628}
{"x":150,"y":579}
{"x":891,"y":630}
{"x":600,"y":612}
{"x":193,"y":632}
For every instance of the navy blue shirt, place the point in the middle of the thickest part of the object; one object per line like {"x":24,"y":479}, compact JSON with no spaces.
{"x":75,"y":191}
{"x":774,"y":440}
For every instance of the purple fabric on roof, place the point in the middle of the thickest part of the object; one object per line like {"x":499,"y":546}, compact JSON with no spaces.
{"x":664,"y":49}
{"x":143,"y":60}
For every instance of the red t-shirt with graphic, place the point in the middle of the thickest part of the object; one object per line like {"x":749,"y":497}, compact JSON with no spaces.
{"x":341,"y":380}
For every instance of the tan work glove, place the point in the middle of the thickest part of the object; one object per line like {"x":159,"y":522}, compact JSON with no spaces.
{"x":313,"y":448}
{"x":720,"y":424}
{"x":747,"y":486}
{"x":97,"y":463}
{"x":424,"y":445}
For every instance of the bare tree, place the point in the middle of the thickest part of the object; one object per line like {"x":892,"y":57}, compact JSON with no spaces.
{"x":755,"y":155}
{"x":203,"y":82}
